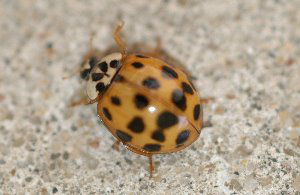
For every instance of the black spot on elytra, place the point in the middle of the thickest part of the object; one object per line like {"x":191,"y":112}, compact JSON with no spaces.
{"x":103,"y":66}
{"x":141,"y":101}
{"x":137,"y":65}
{"x":119,"y":78}
{"x":152,"y":147}
{"x":141,"y":56}
{"x":100,"y":87}
{"x":197,"y":111}
{"x":115,"y":100}
{"x":97,"y":76}
{"x":158,"y":136}
{"x":124,"y":137}
{"x":85,"y":74}
{"x":166,"y":120}
{"x":182,"y":137}
{"x":187,"y":88}
{"x":168,"y":72}
{"x":136,"y":125}
{"x":151,"y":83}
{"x":179,"y":99}
{"x":114,"y":63}
{"x":107,"y":113}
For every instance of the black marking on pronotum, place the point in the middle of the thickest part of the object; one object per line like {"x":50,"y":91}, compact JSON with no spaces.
{"x":85,"y":74}
{"x":103,"y":66}
{"x":114,"y":63}
{"x":92,"y":62}
{"x":97,"y":76}
{"x":100,"y":87}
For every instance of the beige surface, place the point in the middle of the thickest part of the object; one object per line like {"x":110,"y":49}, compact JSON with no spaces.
{"x":244,"y":53}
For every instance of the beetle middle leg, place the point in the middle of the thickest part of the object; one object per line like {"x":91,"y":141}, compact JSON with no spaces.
{"x":116,"y":145}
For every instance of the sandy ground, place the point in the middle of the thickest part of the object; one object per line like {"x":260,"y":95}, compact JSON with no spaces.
{"x":245,"y":54}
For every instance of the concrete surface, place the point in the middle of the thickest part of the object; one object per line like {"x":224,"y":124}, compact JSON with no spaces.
{"x":245,"y":54}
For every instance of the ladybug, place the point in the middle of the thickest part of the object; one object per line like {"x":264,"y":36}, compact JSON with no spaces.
{"x":148,"y":105}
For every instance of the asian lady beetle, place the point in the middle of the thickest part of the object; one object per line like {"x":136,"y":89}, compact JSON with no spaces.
{"x":147,"y":104}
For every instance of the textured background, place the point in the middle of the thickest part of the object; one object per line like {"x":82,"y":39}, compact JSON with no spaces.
{"x":245,"y":54}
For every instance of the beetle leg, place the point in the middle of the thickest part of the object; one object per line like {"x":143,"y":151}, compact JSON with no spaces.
{"x":142,"y":152}
{"x":118,"y":38}
{"x":207,"y":124}
{"x":207,"y":100}
{"x":151,"y":165}
{"x":116,"y":145}
{"x":92,"y":101}
{"x":157,"y":51}
{"x":84,"y":101}
{"x":91,"y":51}
{"x":79,"y":102}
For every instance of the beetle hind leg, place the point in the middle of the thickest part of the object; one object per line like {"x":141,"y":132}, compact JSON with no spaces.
{"x":142,"y":152}
{"x":151,"y":165}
